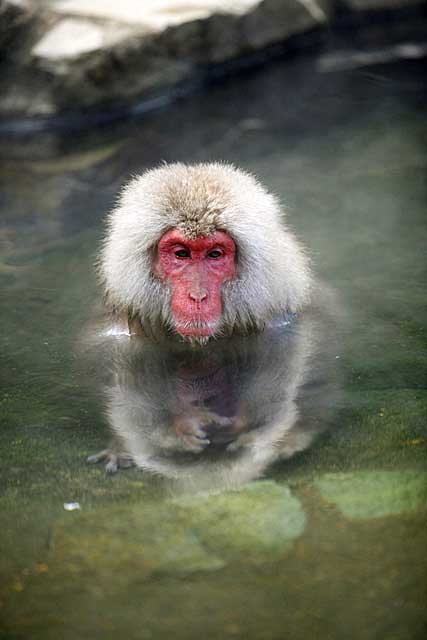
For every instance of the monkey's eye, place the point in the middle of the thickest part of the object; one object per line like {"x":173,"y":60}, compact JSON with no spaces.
{"x":214,"y":254}
{"x":182,"y":253}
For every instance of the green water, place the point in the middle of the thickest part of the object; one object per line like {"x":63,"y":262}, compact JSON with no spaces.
{"x":329,"y":543}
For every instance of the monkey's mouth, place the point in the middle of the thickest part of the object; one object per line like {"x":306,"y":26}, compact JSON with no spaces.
{"x":196,"y":328}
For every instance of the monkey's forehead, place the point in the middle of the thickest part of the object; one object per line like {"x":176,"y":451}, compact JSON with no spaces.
{"x":196,"y":203}
{"x":198,"y":199}
{"x":200,"y":243}
{"x":193,"y":229}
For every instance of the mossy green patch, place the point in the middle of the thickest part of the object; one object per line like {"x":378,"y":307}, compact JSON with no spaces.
{"x":182,"y":535}
{"x":260,"y":517}
{"x":375,"y":494}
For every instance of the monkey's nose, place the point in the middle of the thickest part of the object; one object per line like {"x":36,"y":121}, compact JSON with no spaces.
{"x":198,"y":295}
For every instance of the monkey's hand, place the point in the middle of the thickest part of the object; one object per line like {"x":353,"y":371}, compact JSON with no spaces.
{"x":192,"y":428}
{"x":113,"y":460}
{"x":191,"y":433}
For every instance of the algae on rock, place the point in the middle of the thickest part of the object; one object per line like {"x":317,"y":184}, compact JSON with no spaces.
{"x":255,"y":524}
{"x":374,"y":494}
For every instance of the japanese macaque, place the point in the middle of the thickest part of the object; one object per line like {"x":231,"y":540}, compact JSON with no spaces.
{"x":200,"y":251}
{"x":194,"y":253}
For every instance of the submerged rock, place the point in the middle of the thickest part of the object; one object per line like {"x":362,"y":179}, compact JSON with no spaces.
{"x":182,"y":535}
{"x":263,"y":517}
{"x":375,"y":494}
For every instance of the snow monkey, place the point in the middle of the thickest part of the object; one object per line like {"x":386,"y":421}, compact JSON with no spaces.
{"x":194,"y":253}
{"x":200,"y":251}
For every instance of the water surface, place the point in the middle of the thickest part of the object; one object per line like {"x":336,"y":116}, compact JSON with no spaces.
{"x":328,"y":542}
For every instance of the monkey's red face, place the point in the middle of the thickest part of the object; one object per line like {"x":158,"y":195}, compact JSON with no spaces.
{"x":196,"y":270}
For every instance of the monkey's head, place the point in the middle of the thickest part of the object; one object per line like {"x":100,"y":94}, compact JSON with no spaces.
{"x":201,"y":250}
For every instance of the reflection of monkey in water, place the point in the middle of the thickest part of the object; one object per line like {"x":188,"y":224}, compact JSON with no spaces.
{"x":207,"y":404}
{"x":217,"y":419}
{"x":195,"y":252}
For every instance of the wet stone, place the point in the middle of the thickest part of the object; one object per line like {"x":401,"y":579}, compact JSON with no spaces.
{"x":375,"y":494}
{"x":81,"y":54}
{"x":255,"y":524}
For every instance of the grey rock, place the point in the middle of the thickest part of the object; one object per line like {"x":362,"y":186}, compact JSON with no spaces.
{"x":16,"y":16}
{"x":69,"y":55}
{"x":275,"y":20}
{"x":71,"y":38}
